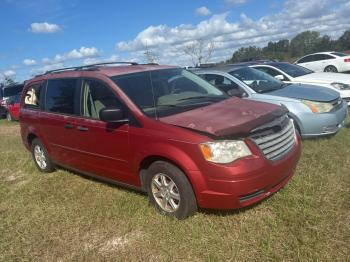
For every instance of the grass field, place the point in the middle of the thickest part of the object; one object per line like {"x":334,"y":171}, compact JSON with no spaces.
{"x":63,"y":216}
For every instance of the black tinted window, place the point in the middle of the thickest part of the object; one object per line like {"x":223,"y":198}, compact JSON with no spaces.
{"x":61,"y":95}
{"x":306,"y":59}
{"x":97,"y":96}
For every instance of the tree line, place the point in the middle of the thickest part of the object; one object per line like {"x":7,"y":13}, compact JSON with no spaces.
{"x":289,"y":50}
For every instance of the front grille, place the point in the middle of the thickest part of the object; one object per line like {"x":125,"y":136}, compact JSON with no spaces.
{"x":276,"y":145}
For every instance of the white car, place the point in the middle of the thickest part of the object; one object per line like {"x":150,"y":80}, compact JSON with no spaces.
{"x":326,"y":62}
{"x":290,"y":73}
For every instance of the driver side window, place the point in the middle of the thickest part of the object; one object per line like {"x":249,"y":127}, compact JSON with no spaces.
{"x":224,"y":84}
{"x":271,"y":72}
{"x":95,"y":97}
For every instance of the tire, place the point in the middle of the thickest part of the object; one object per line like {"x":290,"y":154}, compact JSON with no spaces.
{"x":41,"y":157}
{"x":9,"y":117}
{"x":170,"y":191}
{"x":331,"y":69}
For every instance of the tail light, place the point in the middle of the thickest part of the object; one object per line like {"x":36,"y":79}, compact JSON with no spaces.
{"x":347,"y":60}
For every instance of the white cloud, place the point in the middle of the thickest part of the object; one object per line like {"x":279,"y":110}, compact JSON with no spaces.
{"x":296,"y":16}
{"x":44,"y":28}
{"x":9,"y":73}
{"x":83,"y":52}
{"x":236,"y":2}
{"x":203,"y":11}
{"x":29,"y":62}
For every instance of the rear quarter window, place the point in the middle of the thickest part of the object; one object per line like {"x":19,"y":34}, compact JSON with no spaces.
{"x":33,"y":96}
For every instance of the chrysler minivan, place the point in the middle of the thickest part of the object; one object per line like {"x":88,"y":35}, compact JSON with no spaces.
{"x":161,"y":130}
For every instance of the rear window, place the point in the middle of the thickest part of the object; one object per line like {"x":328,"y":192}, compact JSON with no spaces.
{"x":61,"y":96}
{"x":293,"y":70}
{"x":339,"y":54}
{"x":32,"y":96}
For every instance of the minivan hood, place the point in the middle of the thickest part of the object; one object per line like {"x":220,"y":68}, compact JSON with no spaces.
{"x":325,"y":78}
{"x":232,"y":117}
{"x":307,"y":92}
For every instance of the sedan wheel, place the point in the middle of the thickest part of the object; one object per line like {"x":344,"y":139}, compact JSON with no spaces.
{"x":331,"y":69}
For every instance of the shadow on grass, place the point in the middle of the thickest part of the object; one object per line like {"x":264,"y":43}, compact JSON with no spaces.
{"x":105,"y":181}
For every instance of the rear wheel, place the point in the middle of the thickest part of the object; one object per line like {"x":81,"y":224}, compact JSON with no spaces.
{"x":170,"y":191}
{"x":41,"y":157}
{"x":331,"y":69}
{"x":9,"y":117}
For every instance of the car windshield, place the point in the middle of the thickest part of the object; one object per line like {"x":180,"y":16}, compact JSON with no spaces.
{"x":168,"y":91}
{"x":293,"y":70}
{"x":259,"y":81}
{"x":339,"y":54}
{"x":12,"y":90}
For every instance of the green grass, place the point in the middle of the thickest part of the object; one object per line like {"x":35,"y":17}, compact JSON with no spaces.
{"x":63,"y":216}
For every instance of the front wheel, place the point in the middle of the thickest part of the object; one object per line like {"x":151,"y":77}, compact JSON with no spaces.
{"x":170,"y":191}
{"x":331,"y":69}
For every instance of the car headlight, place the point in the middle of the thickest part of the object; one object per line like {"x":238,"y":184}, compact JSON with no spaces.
{"x":318,"y":107}
{"x":223,"y":152}
{"x":340,"y":86}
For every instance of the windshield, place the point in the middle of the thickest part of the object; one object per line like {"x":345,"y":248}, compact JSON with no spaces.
{"x":293,"y":70}
{"x":259,"y":81}
{"x":339,"y":54}
{"x":168,"y":91}
{"x":12,"y":90}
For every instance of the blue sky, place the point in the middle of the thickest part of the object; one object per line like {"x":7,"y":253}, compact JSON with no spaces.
{"x":43,"y":34}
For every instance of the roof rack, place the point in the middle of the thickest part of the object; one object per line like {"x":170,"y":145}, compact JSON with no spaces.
{"x":87,"y":67}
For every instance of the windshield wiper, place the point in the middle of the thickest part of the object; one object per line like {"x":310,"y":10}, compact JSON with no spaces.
{"x":200,"y":97}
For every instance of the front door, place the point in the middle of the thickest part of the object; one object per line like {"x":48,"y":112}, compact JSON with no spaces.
{"x":103,"y":147}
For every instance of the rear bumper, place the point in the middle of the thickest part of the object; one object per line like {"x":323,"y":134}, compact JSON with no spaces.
{"x":247,"y":182}
{"x":314,"y":125}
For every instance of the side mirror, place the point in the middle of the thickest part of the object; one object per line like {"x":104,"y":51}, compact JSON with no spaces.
{"x":279,"y":77}
{"x":112,"y":115}
{"x":236,"y":92}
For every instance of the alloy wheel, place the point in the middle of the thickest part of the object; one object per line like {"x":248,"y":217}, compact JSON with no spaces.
{"x":165,"y":192}
{"x":40,"y":157}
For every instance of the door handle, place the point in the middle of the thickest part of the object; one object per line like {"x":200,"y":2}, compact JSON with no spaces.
{"x":68,"y":126}
{"x":82,"y":128}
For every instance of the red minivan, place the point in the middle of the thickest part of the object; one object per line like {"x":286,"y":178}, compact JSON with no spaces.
{"x":161,"y":130}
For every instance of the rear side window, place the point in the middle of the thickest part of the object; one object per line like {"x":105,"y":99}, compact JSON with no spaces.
{"x":32,"y":97}
{"x":306,"y":59}
{"x":62,"y":96}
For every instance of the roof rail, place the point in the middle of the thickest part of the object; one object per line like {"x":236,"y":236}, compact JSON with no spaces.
{"x":86,"y":67}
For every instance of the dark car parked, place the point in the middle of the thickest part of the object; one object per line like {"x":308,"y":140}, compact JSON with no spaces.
{"x":162,"y":130}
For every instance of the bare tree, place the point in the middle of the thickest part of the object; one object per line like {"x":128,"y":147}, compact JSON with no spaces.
{"x":200,"y":51}
{"x":7,"y":81}
{"x":150,"y":56}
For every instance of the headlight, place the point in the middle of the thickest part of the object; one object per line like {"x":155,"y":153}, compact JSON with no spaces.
{"x":341,"y":86}
{"x":225,"y":151}
{"x":318,"y":107}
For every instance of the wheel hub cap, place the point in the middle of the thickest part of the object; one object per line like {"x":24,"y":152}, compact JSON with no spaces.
{"x":165,"y":192}
{"x":40,"y":157}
